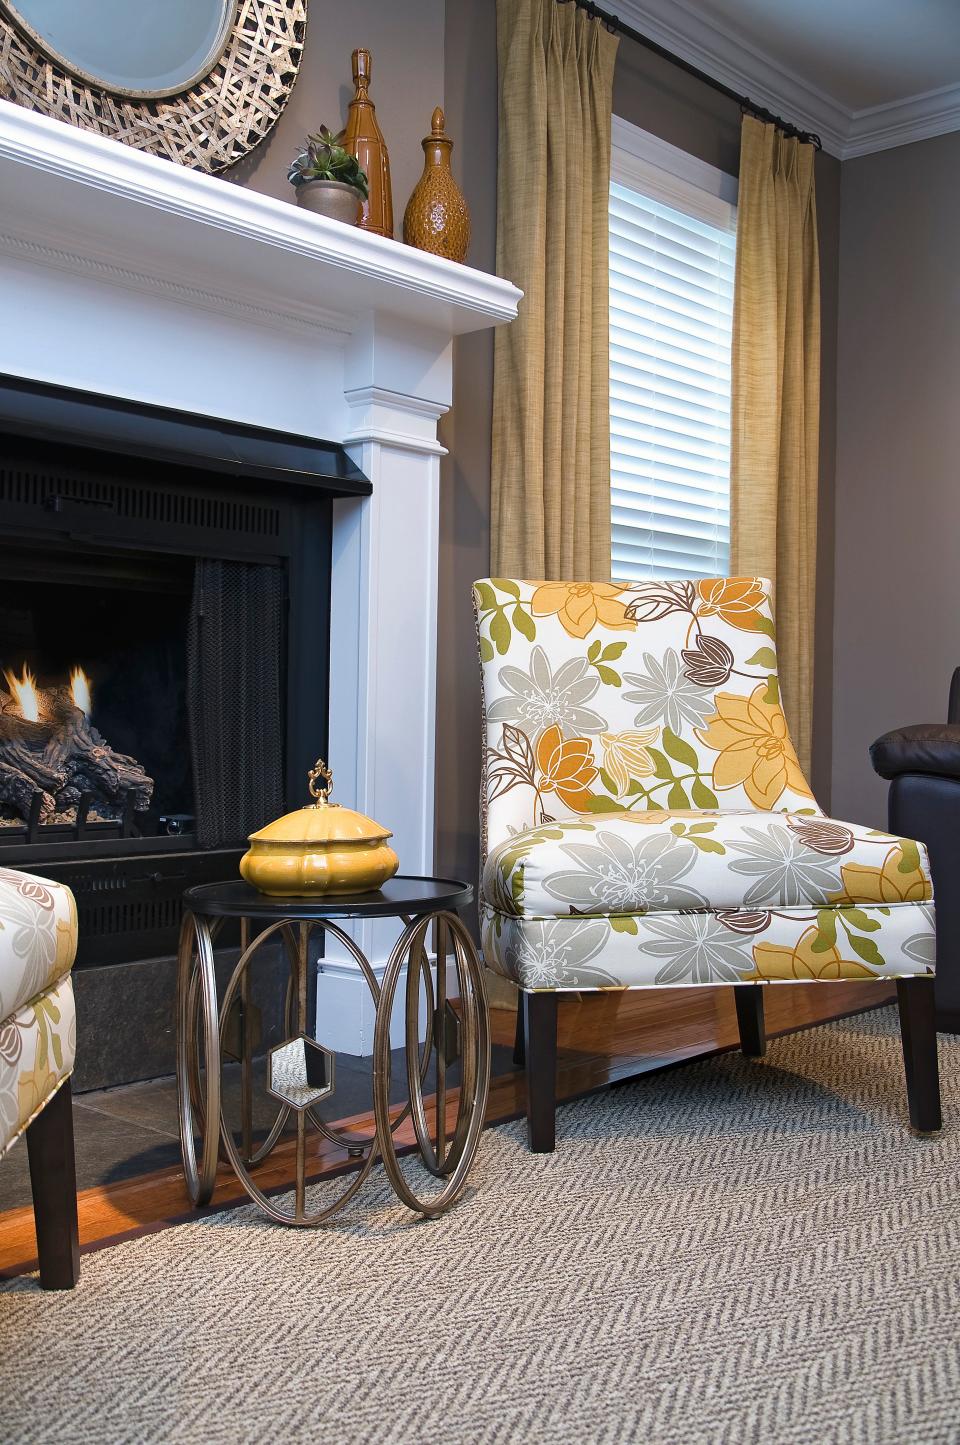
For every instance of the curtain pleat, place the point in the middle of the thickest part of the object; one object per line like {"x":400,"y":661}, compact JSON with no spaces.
{"x":775,"y":411}
{"x":550,"y":485}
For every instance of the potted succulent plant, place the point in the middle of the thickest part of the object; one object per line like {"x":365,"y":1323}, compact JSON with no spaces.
{"x":328,"y":179}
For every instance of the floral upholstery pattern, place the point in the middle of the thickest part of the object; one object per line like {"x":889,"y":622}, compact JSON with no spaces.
{"x":644,"y":816}
{"x":38,"y":943}
{"x":637,"y":862}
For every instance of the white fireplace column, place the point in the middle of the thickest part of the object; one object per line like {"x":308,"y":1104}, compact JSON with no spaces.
{"x":383,"y":644}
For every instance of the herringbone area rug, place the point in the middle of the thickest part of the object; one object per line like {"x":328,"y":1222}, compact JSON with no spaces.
{"x":731,"y":1251}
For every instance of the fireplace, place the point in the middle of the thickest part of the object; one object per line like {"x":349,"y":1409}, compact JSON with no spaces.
{"x":164,"y":657}
{"x":182,"y":290}
{"x":94,"y":734}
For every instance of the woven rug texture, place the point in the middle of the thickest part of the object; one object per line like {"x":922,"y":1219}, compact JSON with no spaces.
{"x":730,"y":1251}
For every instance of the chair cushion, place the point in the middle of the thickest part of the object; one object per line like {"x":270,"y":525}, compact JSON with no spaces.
{"x":646,"y":862}
{"x":672,"y":949}
{"x":920,"y":748}
{"x":632,"y":900}
{"x":38,"y":937}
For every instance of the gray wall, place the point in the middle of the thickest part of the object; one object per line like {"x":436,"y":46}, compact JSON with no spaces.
{"x":896,"y":616}
{"x":406,"y":42}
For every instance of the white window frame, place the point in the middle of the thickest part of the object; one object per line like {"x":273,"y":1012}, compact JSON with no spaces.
{"x":658,"y":169}
{"x":664,"y":173}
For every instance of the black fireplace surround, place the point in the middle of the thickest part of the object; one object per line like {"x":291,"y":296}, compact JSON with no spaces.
{"x":182,"y":566}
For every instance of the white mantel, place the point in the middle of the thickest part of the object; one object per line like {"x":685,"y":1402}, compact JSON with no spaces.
{"x":124,"y":274}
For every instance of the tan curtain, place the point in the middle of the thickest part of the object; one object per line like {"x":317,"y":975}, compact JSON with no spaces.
{"x":776,"y":399}
{"x":551,"y":410}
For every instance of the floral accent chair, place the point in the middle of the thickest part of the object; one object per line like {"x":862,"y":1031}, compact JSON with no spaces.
{"x":646,"y":823}
{"x":38,"y":943}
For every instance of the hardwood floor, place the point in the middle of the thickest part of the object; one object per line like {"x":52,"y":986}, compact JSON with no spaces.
{"x":602,"y":1038}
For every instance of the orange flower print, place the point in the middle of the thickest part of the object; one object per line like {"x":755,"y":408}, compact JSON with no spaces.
{"x":566,"y":768}
{"x":890,"y":883}
{"x":580,"y":606}
{"x":776,"y":961}
{"x":739,"y":601}
{"x":751,"y":737}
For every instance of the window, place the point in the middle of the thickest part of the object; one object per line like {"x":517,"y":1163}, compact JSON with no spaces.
{"x":672,"y":252}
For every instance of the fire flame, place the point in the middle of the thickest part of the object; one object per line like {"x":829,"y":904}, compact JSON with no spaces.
{"x":24,"y":692}
{"x":80,"y":690}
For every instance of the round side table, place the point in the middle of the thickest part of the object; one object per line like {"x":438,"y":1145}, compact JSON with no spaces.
{"x":300,"y":1072}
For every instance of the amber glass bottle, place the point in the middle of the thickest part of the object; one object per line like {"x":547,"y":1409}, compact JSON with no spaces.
{"x":364,"y":139}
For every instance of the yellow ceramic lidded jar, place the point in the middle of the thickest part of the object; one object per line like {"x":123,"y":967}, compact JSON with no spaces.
{"x":321,"y":848}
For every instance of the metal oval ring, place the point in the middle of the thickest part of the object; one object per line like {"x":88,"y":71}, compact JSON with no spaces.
{"x":200,"y":1178}
{"x":308,"y":1221}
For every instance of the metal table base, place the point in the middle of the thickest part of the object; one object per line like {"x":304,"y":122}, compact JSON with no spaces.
{"x":301,"y":1072}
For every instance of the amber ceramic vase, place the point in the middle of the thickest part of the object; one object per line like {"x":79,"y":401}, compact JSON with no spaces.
{"x":364,"y":139}
{"x":437,"y":218}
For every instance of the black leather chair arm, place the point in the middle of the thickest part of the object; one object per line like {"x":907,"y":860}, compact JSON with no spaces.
{"x":921,"y":748}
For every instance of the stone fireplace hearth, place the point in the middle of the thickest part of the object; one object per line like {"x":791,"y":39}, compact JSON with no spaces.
{"x":130,"y":278}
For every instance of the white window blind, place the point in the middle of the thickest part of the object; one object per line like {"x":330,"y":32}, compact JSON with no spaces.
{"x":672,"y":253}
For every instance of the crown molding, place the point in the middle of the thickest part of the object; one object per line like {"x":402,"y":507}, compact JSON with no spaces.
{"x":735,"y":62}
{"x":919,"y":117}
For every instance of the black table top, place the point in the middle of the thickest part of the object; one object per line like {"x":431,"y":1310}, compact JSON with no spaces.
{"x":405,"y":895}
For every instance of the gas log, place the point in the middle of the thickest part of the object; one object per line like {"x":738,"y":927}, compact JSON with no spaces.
{"x":61,"y":758}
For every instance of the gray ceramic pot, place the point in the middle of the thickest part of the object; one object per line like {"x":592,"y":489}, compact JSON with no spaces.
{"x":331,"y":198}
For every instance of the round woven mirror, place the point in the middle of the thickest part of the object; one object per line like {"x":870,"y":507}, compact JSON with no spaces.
{"x":197,"y":81}
{"x":144,"y":50}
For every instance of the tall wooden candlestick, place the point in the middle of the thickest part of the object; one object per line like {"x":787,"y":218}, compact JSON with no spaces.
{"x":364,"y":139}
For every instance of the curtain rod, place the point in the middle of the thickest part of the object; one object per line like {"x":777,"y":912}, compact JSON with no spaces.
{"x":618,"y":26}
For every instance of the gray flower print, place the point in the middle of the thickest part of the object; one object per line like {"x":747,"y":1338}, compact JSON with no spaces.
{"x":922,"y":947}
{"x":787,"y":872}
{"x":622,"y":877}
{"x":556,"y":952}
{"x":666,"y":695}
{"x":9,"y":1112}
{"x":31,"y":935}
{"x":699,"y":949}
{"x":541,"y":697}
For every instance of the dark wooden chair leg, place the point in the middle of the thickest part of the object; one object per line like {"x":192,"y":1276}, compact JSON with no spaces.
{"x":540,"y":1028}
{"x":918,"y":1034}
{"x":519,"y":1039}
{"x":749,"y":1000}
{"x":53,"y":1180}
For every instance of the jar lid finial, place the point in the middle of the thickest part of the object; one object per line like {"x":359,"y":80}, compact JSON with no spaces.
{"x":321,"y":793}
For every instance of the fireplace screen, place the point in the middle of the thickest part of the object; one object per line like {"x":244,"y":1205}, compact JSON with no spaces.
{"x":139,"y":696}
{"x":234,"y":647}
